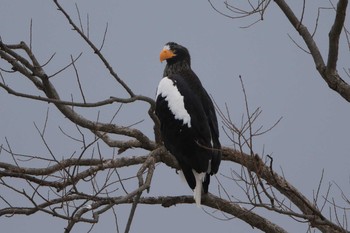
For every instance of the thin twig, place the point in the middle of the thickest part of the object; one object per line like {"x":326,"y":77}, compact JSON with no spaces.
{"x":104,"y":37}
{"x":31,"y":34}
{"x":65,"y":67}
{"x":78,"y":79}
{"x":80,"y":22}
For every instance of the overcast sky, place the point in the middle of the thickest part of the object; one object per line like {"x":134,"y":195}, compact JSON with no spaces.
{"x":279,"y":77}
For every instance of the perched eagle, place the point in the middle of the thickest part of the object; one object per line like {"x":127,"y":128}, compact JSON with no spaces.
{"x":189,"y":126}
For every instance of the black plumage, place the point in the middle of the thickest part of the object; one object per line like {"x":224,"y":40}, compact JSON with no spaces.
{"x":189,"y":126}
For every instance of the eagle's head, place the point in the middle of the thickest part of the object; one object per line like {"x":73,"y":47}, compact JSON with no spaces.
{"x":173,"y":52}
{"x":177,"y":57}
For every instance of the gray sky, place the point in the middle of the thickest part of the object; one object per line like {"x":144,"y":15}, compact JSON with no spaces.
{"x":280,"y":78}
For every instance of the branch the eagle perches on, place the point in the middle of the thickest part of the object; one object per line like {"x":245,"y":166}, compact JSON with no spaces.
{"x":54,"y":188}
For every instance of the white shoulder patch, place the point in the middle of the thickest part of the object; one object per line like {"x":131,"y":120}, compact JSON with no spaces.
{"x":168,"y":90}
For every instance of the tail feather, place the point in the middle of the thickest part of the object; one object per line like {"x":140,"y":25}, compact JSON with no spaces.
{"x":197,"y":192}
{"x":206,"y":183}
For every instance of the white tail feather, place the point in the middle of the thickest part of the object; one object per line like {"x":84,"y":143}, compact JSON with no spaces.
{"x":197,"y":192}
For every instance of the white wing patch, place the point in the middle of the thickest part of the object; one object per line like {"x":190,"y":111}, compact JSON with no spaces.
{"x":175,"y":100}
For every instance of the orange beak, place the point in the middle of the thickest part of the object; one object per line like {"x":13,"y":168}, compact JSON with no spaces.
{"x":166,"y":54}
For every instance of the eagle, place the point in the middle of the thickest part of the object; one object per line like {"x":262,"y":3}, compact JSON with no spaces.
{"x":188,"y":123}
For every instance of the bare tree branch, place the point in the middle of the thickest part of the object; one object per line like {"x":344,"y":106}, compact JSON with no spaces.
{"x":94,"y":48}
{"x":334,"y":36}
{"x":329,"y":72}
